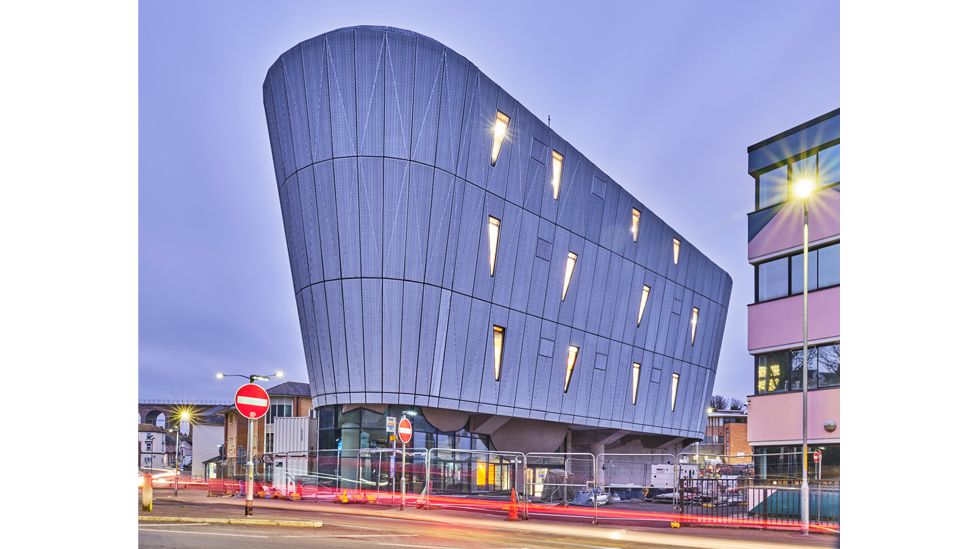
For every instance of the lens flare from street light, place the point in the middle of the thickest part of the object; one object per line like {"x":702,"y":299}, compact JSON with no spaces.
{"x":220,"y":375}
{"x":803,"y":187}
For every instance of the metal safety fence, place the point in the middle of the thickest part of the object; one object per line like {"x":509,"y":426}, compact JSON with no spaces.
{"x":750,"y":502}
{"x":744,"y":490}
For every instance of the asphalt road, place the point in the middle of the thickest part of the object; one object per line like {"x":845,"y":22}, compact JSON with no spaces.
{"x":363,"y":528}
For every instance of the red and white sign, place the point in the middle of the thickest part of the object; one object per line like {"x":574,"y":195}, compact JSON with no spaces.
{"x":817,"y":456}
{"x":405,"y":430}
{"x":252,"y":401}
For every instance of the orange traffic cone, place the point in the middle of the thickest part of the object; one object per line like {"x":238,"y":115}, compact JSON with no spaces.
{"x":513,"y":508}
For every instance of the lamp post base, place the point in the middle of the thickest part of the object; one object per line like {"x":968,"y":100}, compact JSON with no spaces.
{"x":805,"y":506}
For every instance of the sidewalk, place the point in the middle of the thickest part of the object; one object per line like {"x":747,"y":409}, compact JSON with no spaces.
{"x":198,"y":505}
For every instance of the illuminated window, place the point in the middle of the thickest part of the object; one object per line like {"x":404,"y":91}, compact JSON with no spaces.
{"x":570,"y":265}
{"x":674,"y":389}
{"x":570,"y":365}
{"x":494,"y":225}
{"x":557,"y":173}
{"x":634,"y":378}
{"x":634,"y":222}
{"x":645,"y":291}
{"x":498,"y":336}
{"x":694,"y":323}
{"x":677,"y":249}
{"x":501,"y":129}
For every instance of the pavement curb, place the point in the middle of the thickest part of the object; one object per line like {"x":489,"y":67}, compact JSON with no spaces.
{"x":239,"y":521}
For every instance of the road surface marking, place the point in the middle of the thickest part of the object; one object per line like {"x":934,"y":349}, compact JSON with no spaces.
{"x":421,"y":546}
{"x":201,"y":533}
{"x":183,"y":524}
{"x":354,"y":536}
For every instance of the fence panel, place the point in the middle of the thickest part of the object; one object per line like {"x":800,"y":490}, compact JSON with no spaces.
{"x":762,"y":503}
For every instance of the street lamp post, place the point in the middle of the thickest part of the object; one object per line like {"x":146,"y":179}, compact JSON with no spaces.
{"x":183,"y":416}
{"x":802,"y":189}
{"x":249,"y":499}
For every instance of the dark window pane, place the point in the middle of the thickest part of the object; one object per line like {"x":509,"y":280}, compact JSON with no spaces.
{"x":796,"y":270}
{"x":828,"y":268}
{"x":830,"y":365}
{"x":829,"y":162}
{"x":773,"y":277}
{"x":772,"y":187}
{"x":796,"y":374}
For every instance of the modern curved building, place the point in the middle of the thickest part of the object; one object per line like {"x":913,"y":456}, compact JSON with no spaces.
{"x":454,"y":256}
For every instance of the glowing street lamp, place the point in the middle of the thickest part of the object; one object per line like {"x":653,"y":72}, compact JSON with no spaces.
{"x":183,"y":414}
{"x":802,"y":189}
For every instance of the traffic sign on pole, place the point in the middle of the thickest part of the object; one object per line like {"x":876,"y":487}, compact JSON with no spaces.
{"x":405,"y":430}
{"x":817,"y":456}
{"x":252,"y":401}
{"x":390,"y":424}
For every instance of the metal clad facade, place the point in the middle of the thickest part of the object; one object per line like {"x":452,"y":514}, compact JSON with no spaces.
{"x":381,"y":141}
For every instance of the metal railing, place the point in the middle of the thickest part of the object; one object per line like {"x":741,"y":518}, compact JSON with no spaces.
{"x":759,"y":503}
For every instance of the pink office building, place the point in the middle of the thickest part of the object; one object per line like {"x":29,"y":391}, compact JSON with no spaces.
{"x":810,"y":150}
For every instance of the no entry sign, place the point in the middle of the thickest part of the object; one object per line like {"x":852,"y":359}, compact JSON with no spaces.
{"x":817,"y":456}
{"x":405,"y":430}
{"x":252,"y":401}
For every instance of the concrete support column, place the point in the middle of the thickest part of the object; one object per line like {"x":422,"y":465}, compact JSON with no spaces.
{"x":596,"y":449}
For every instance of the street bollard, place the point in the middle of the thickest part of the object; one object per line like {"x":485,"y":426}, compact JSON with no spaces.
{"x":147,"y":494}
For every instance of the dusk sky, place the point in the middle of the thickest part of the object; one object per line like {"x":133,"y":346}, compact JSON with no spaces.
{"x":663,"y":96}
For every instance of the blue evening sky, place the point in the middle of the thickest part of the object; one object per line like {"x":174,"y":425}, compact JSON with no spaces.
{"x":663,"y":96}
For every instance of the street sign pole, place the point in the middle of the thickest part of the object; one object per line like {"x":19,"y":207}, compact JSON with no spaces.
{"x":404,"y":434}
{"x":403,"y":477}
{"x":249,"y":501}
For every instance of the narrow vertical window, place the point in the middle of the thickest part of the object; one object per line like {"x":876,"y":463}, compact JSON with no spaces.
{"x":645,"y":292}
{"x":674,"y":389}
{"x":557,"y":173}
{"x":501,"y":129}
{"x":570,"y":266}
{"x":634,"y":379}
{"x":634,"y":222}
{"x":570,"y":365}
{"x":494,"y":225}
{"x":694,"y":323}
{"x":498,"y":338}
{"x":677,"y":249}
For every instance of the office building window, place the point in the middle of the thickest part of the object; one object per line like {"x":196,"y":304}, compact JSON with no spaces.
{"x":494,"y":225}
{"x":570,"y":266}
{"x":828,"y":166}
{"x":784,"y":276}
{"x":634,"y":222}
{"x":676,"y":245}
{"x":828,"y":266}
{"x":674,"y":389}
{"x":694,"y":323}
{"x":557,"y":173}
{"x":782,"y":371}
{"x":268,"y":443}
{"x":498,"y":135}
{"x":570,"y":366}
{"x":773,"y":279}
{"x":634,"y":381}
{"x":645,"y":292}
{"x":498,"y":340}
{"x":773,"y":187}
{"x":822,"y":168}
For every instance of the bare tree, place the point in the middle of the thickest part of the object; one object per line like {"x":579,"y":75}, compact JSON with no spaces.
{"x":735,"y":404}
{"x":718,"y":402}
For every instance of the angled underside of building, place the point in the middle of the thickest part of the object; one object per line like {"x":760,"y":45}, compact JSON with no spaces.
{"x":454,"y":256}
